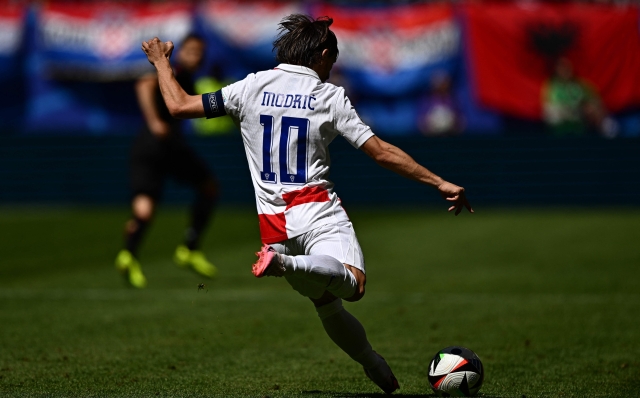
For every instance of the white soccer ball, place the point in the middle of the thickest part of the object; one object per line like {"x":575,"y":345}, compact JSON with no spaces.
{"x":456,"y":372}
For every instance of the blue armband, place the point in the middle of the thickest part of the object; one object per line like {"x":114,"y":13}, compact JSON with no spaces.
{"x":213,"y":104}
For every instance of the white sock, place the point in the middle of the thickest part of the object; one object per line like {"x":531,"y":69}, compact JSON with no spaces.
{"x":324,"y":270}
{"x":347,"y":332}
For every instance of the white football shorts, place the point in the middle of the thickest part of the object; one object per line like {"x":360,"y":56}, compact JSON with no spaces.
{"x":337,"y":240}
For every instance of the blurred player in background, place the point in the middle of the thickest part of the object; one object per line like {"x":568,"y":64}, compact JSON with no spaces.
{"x":159,"y":152}
{"x":287,"y":117}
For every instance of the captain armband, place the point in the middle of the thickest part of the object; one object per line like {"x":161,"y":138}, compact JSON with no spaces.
{"x":213,"y":104}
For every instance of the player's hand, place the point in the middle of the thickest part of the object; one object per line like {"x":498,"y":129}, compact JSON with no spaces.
{"x":159,"y":128}
{"x":455,"y":194}
{"x":157,"y":50}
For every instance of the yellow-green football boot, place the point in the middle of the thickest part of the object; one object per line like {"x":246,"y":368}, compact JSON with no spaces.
{"x":129,"y":267}
{"x":195,"y":260}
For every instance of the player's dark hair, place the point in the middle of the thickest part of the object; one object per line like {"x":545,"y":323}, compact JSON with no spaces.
{"x":301,"y":40}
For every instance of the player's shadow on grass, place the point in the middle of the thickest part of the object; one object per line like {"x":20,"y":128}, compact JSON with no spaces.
{"x":374,"y":395}
{"x":379,"y":395}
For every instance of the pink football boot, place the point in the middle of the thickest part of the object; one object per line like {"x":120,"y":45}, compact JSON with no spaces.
{"x":267,"y":265}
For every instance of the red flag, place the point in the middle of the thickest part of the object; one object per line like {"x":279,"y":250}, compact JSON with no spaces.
{"x":509,"y":70}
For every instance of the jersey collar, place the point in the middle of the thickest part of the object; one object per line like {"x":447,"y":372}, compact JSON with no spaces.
{"x":303,"y":70}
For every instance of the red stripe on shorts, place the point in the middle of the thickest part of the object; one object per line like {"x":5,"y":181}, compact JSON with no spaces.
{"x":305,"y":195}
{"x":272,"y":227}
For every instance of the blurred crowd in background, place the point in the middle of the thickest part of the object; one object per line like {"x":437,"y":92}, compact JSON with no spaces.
{"x":411,"y":68}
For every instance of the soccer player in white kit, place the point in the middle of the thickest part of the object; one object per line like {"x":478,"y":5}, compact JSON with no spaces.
{"x":287,"y":117}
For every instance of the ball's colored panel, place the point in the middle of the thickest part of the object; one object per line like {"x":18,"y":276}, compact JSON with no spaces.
{"x":447,"y":364}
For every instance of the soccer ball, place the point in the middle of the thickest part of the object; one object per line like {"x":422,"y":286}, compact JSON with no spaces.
{"x":455,"y":372}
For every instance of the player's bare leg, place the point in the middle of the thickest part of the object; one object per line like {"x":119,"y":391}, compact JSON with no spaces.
{"x":349,"y":334}
{"x":361,"y":281}
{"x":143,"y":209}
{"x":188,"y":254}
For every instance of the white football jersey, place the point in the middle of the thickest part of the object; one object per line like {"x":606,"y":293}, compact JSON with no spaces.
{"x":288,"y":118}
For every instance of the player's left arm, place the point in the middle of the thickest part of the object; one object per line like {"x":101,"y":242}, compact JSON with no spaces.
{"x":398,"y":161}
{"x":180,"y":104}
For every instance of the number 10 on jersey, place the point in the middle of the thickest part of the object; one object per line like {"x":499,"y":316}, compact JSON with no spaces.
{"x":296,"y":173}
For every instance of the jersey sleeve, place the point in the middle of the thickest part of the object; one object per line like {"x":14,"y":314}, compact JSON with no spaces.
{"x":233,"y":96}
{"x":348,"y":123}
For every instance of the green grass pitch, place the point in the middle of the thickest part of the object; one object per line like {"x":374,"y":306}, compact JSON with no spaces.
{"x":549,"y":299}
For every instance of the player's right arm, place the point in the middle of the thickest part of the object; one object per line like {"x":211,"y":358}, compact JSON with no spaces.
{"x":349,"y":125}
{"x":180,"y":104}
{"x":398,"y":161}
{"x":145,"y":93}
